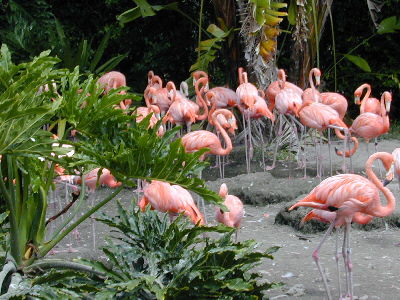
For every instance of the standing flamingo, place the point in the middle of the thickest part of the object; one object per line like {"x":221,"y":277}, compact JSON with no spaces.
{"x":113,"y":80}
{"x":320,"y":116}
{"x":180,"y":112}
{"x":348,"y":194}
{"x":284,"y":96}
{"x":369,"y":125}
{"x":173,"y":199}
{"x":367,"y":104}
{"x":232,"y":218}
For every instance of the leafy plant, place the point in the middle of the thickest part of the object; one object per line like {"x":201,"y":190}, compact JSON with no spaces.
{"x":153,"y":259}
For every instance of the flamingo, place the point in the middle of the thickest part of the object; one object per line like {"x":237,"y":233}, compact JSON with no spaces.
{"x":320,"y":116}
{"x":283,"y":96}
{"x":234,"y":217}
{"x":196,"y":140}
{"x":173,"y":199}
{"x":369,"y":125}
{"x":113,"y":80}
{"x":348,"y":194}
{"x":141,"y":112}
{"x":395,"y":169}
{"x":181,"y":111}
{"x":367,"y":104}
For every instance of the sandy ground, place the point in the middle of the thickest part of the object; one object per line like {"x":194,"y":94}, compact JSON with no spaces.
{"x":376,"y":254}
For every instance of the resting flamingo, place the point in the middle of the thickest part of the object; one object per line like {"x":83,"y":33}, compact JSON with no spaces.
{"x":172,"y":199}
{"x":348,"y":194}
{"x":369,"y":125}
{"x":282,"y":95}
{"x":113,"y":80}
{"x":367,"y":104}
{"x":232,"y":218}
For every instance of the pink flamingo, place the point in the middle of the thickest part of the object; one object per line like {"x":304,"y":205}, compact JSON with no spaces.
{"x":232,"y":218}
{"x":367,"y":104}
{"x":157,"y":95}
{"x":369,"y":125}
{"x":113,"y":80}
{"x":284,"y":101}
{"x":180,"y":112}
{"x":348,"y":194}
{"x":143,"y":112}
{"x":319,"y":116}
{"x":172,"y":199}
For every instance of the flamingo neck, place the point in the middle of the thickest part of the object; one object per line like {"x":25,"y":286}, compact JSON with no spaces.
{"x":200,"y":98}
{"x":313,"y":88}
{"x":378,"y":210}
{"x":225,"y":136}
{"x":366,"y":96}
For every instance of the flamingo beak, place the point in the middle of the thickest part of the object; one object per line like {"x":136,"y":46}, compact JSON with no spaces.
{"x":387,"y":106}
{"x":317,"y":80}
{"x":389,"y":176}
{"x":357,"y":100}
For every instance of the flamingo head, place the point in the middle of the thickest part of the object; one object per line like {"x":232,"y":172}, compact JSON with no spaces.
{"x":247,"y":101}
{"x":317,"y":74}
{"x":209,"y":96}
{"x":150,"y":76}
{"x":387,"y":97}
{"x":389,"y":176}
{"x":223,"y":190}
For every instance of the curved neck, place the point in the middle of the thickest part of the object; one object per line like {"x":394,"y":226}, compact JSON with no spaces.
{"x":378,"y":210}
{"x":171,"y":85}
{"x":240,"y":74}
{"x":313,"y":89}
{"x":281,"y":78}
{"x":245,"y":77}
{"x":366,"y":96}
{"x":146,"y":96}
{"x":203,"y":81}
{"x":383,"y":108}
{"x":225,"y":136}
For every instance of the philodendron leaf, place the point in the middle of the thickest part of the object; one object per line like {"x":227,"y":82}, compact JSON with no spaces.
{"x":389,"y":25}
{"x":359,"y":62}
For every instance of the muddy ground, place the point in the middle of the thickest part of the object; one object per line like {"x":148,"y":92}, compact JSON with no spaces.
{"x":376,"y":251}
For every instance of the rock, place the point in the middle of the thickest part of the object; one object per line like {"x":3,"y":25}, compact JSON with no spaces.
{"x":297,"y":290}
{"x":279,"y":297}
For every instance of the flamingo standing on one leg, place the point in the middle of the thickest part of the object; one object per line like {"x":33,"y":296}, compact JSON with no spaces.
{"x":348,"y":194}
{"x":172,"y":199}
{"x":234,"y":217}
{"x":113,"y":80}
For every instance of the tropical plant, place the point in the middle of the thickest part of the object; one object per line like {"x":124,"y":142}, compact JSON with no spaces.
{"x":156,"y":259}
{"x":29,"y":154}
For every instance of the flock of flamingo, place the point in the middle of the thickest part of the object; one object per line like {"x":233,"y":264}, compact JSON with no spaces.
{"x":338,"y":200}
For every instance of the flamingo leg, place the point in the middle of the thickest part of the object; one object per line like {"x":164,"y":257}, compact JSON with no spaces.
{"x":245,"y":142}
{"x":313,"y":138}
{"x":236,"y":234}
{"x":315,"y":257}
{"x":321,"y":166}
{"x":337,"y":261}
{"x":347,"y":260}
{"x":330,"y":152}
{"x":258,"y":127}
{"x":251,"y":150}
{"x":201,"y":203}
{"x":93,"y":224}
{"x":279,"y":136}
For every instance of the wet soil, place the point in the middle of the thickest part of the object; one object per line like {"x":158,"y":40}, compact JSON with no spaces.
{"x":375,"y":248}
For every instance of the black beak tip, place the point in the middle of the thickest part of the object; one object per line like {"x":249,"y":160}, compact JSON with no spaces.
{"x":385,"y":182}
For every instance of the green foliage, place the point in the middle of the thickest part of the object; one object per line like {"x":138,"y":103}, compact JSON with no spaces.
{"x":153,"y":259}
{"x":85,"y":57}
{"x":359,"y":62}
{"x":208,"y":48}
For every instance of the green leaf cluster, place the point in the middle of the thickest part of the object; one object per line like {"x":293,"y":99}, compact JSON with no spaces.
{"x":155,"y":259}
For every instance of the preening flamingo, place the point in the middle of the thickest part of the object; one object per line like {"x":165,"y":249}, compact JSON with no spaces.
{"x":282,"y":96}
{"x":172,"y":199}
{"x":348,"y":194}
{"x":113,"y":80}
{"x":367,"y":104}
{"x":157,"y":95}
{"x":142,"y":112}
{"x":369,"y":125}
{"x":232,"y":218}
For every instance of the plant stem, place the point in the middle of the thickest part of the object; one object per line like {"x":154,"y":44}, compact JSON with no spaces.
{"x":333,"y":48}
{"x":314,"y":12}
{"x":46,"y":248}
{"x":200,"y":26}
{"x":14,"y":234}
{"x":61,"y":264}
{"x":351,"y":51}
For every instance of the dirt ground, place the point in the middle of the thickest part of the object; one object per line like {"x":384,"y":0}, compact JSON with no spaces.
{"x":375,"y":253}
